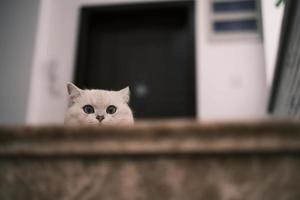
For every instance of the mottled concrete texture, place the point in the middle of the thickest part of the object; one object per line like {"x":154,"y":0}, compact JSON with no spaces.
{"x":152,"y":161}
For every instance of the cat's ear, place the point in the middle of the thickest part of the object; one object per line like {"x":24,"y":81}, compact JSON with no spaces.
{"x":73,"y":90}
{"x":125,"y":93}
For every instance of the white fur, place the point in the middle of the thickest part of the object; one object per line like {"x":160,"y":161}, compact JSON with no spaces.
{"x":100,"y":100}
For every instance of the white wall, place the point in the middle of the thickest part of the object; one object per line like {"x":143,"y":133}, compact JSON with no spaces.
{"x":230,"y":75}
{"x":18,"y":21}
{"x":272,"y":19}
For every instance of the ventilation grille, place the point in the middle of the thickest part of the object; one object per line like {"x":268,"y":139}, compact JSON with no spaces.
{"x":235,"y":18}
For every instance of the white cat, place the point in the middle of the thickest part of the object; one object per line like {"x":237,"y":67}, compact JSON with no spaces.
{"x":98,"y":107}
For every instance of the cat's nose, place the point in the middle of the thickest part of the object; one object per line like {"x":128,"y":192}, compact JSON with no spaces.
{"x":100,"y":118}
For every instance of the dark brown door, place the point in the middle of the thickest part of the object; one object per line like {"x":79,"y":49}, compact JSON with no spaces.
{"x":149,"y":47}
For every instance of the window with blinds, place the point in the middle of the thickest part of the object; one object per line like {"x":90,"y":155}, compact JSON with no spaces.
{"x":235,"y":18}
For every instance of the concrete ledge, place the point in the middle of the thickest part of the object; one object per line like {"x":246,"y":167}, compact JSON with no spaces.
{"x":162,"y":161}
{"x":152,"y":138}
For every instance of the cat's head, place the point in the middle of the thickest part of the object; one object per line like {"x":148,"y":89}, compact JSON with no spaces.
{"x":98,"y":107}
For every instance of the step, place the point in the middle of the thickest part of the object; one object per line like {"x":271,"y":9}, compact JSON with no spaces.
{"x":152,"y":160}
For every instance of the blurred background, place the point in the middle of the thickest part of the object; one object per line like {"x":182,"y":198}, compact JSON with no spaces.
{"x":198,"y":59}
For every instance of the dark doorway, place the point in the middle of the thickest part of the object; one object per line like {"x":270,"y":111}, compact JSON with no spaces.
{"x":147,"y":46}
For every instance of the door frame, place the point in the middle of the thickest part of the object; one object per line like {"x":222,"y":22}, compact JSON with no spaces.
{"x":54,"y":57}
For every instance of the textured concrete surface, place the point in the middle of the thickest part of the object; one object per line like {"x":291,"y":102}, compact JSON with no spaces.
{"x":158,"y":161}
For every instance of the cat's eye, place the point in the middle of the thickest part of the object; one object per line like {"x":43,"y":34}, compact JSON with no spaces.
{"x":88,"y":109}
{"x":111,"y":109}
